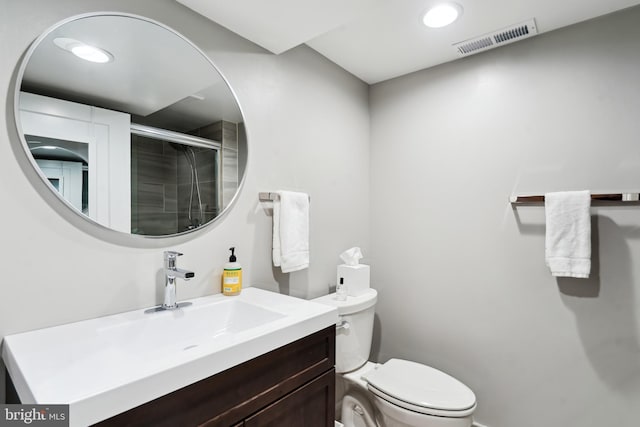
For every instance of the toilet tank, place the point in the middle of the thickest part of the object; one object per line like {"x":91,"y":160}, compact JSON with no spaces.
{"x":353,"y":340}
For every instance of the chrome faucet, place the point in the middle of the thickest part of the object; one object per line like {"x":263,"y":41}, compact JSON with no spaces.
{"x":171,"y":273}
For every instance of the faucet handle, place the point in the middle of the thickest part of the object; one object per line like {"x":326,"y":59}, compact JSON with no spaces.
{"x":171,"y":254}
{"x":170,"y":259}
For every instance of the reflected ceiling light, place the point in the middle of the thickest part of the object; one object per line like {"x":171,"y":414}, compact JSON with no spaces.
{"x":83,"y":50}
{"x":442,"y":15}
{"x":44,"y":147}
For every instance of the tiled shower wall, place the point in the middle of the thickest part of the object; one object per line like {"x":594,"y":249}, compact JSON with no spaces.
{"x":154,"y":172}
{"x":227,"y":133}
{"x":161,"y":187}
{"x":207,"y":168}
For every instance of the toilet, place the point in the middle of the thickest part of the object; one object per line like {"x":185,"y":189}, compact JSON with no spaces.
{"x":397,"y":393}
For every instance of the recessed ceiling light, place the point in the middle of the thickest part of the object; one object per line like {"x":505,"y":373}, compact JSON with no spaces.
{"x":442,"y":15}
{"x":83,"y":50}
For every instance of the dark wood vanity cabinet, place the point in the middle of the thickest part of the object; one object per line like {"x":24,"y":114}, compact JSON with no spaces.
{"x":293,"y":385}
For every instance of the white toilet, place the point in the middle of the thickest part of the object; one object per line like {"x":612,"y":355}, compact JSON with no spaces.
{"x":398,"y":393}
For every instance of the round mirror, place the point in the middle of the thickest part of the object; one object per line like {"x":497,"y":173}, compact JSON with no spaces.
{"x":130,"y":124}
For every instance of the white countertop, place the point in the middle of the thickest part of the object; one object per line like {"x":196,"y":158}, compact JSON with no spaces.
{"x":102,"y":367}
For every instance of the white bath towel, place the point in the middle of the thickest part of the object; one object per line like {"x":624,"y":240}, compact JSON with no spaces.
{"x":291,"y":231}
{"x":568,"y":236}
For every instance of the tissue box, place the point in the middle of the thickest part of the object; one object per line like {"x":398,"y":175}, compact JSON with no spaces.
{"x":356,"y":278}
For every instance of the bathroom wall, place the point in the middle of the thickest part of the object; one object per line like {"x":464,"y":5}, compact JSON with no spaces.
{"x":154,"y":189}
{"x":59,"y":268}
{"x":460,"y":272}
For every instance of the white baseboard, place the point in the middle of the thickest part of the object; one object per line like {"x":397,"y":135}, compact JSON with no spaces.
{"x":339,"y":424}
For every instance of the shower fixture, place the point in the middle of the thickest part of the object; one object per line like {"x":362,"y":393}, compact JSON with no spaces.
{"x":190,"y":156}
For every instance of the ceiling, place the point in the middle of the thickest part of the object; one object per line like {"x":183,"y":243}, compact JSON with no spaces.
{"x":381,"y":39}
{"x":180,"y":91}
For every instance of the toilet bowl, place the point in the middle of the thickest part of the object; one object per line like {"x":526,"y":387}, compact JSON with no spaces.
{"x":397,"y":393}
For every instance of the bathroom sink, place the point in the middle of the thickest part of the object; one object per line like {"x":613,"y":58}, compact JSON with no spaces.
{"x":104,"y":366}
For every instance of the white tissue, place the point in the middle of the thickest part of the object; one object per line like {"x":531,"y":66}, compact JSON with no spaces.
{"x":351,"y":256}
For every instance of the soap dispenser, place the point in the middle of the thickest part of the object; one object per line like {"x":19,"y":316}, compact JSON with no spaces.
{"x":232,"y":276}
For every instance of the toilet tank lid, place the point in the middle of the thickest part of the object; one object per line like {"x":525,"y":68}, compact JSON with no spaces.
{"x":421,"y":385}
{"x":352,"y":304}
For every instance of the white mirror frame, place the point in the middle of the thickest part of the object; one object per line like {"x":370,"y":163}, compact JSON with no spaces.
{"x":120,"y":223}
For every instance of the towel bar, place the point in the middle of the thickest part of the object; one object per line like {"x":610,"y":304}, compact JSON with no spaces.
{"x":270,"y":197}
{"x":615,"y":197}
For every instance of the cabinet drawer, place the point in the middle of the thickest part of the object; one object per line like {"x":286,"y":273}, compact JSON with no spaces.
{"x":229,"y":397}
{"x":312,"y":405}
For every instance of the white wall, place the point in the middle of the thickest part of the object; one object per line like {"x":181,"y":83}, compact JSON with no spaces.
{"x":461,"y":274}
{"x":308,"y":129}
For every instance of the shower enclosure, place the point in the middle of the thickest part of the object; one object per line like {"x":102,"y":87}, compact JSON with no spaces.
{"x":175,"y":181}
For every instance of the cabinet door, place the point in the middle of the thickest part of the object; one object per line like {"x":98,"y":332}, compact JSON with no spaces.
{"x":312,"y":405}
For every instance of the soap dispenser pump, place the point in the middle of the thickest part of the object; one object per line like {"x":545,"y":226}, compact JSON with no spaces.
{"x":232,"y":276}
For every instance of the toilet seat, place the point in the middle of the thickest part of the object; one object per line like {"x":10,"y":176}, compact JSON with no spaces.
{"x":421,"y":389}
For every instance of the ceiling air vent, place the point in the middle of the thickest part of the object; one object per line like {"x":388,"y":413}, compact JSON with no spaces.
{"x":497,"y":38}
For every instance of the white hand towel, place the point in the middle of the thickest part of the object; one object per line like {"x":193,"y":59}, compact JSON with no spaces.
{"x":568,"y":235}
{"x":291,"y":231}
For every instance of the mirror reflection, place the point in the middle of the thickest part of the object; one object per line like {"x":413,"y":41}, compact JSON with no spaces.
{"x":131,"y":125}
